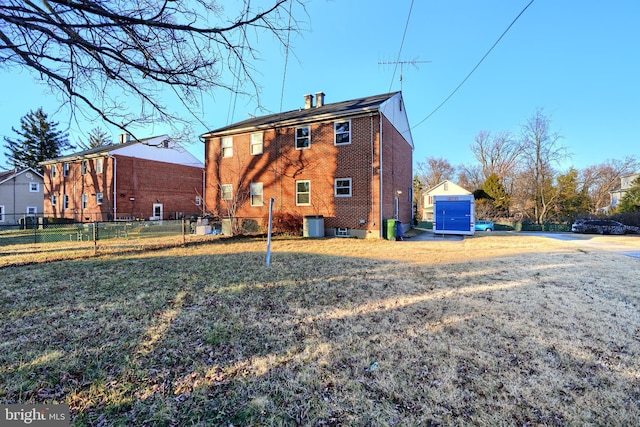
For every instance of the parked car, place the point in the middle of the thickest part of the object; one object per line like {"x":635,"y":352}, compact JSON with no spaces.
{"x":484,"y":225}
{"x":598,"y":226}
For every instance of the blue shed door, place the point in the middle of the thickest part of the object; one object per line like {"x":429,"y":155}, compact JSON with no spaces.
{"x":453,"y":216}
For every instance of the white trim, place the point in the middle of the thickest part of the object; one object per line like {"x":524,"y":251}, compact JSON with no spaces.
{"x":226,"y":143}
{"x":1,"y":213}
{"x":349,"y":187}
{"x":226,"y":188}
{"x":303,"y":137}
{"x":34,"y":187}
{"x":298,"y":193}
{"x":342,"y":132}
{"x":256,"y":189}
{"x":254,"y":142}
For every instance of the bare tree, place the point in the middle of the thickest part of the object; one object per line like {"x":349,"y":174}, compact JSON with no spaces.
{"x":542,"y":151}
{"x":470,"y":177}
{"x":600,"y":179}
{"x":434,"y":170}
{"x":96,"y":53}
{"x":498,"y":155}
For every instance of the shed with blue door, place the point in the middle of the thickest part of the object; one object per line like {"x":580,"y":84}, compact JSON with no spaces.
{"x":454,"y":214}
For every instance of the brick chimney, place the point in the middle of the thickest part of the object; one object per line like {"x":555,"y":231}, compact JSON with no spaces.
{"x":319,"y":99}
{"x":308,"y":101}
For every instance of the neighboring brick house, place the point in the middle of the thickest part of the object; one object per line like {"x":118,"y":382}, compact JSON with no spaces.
{"x":20,"y":195}
{"x":350,"y":162}
{"x":444,"y":188}
{"x":153,"y":178}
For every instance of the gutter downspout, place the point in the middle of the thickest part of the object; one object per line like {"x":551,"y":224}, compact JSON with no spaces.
{"x":381,"y":193}
{"x":115,"y":193}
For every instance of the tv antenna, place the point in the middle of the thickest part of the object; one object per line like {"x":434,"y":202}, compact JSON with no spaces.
{"x":413,"y":62}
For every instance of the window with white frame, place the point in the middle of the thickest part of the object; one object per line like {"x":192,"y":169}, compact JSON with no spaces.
{"x":256,"y":194}
{"x":256,"y":143}
{"x":32,"y":210}
{"x":65,"y":169}
{"x":342,"y":187}
{"x":85,"y":199}
{"x":99,"y":163}
{"x":198,"y":201}
{"x":65,"y":202}
{"x":303,"y":137}
{"x":342,"y":132}
{"x":34,"y":187}
{"x":1,"y":213}
{"x":227,"y":191}
{"x":54,"y":199}
{"x":85,"y":165}
{"x":98,"y":198}
{"x":53,"y":171}
{"x":226,"y":145}
{"x":303,"y":193}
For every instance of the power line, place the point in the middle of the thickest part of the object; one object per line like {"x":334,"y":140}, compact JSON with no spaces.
{"x":474,"y":68}
{"x":406,"y":25}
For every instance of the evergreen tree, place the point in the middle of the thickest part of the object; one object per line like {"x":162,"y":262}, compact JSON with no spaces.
{"x":495,"y":190}
{"x":39,"y":141}
{"x":97,"y":138}
{"x":630,"y":202}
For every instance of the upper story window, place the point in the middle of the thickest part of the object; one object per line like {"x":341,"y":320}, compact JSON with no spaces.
{"x":34,"y":187}
{"x":65,"y":169}
{"x":54,"y":199}
{"x":256,"y":143}
{"x":256,"y":194}
{"x":303,"y":193}
{"x":342,"y":187}
{"x":227,"y":191}
{"x":85,"y":200}
{"x":85,"y":165}
{"x":227,"y":146}
{"x":342,"y":132}
{"x":303,"y":137}
{"x":99,"y":165}
{"x":98,"y":198}
{"x":53,"y":171}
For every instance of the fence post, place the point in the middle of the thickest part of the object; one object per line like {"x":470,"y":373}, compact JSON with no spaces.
{"x":95,"y":237}
{"x":183,"y":231}
{"x":35,"y":230}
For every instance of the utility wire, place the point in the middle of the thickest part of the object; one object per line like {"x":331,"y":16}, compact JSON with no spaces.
{"x":406,"y":25}
{"x":474,"y":68}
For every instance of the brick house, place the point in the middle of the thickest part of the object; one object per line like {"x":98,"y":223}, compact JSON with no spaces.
{"x":350,"y":162}
{"x":153,"y":178}
{"x":20,"y":195}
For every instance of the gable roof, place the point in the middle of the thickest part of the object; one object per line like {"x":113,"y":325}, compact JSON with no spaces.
{"x":306,"y":115}
{"x":159,"y":148}
{"x":7,"y":175}
{"x":453,"y":188}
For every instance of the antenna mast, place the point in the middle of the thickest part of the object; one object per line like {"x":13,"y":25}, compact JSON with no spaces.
{"x":413,"y":62}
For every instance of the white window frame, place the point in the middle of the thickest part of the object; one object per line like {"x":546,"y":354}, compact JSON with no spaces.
{"x":99,"y":165}
{"x":226,"y":191}
{"x":198,"y":201}
{"x":337,"y":133}
{"x":34,"y":187}
{"x":256,"y":191}
{"x":226,"y":146}
{"x":349,"y":187}
{"x":300,"y":193}
{"x":1,"y":213}
{"x":32,"y":211}
{"x":65,"y":169}
{"x":65,"y":202}
{"x":303,"y":137}
{"x":84,"y":166}
{"x":85,"y":201}
{"x":99,"y":198}
{"x":54,"y":199}
{"x":53,"y":171}
{"x":257,"y":143}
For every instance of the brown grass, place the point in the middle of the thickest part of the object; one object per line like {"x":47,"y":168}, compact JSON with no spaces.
{"x":493,"y":330}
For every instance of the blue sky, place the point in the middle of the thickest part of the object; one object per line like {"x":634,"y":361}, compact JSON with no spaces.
{"x":578,"y":60}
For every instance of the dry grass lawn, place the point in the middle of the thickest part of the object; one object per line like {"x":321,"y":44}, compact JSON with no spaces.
{"x":499,"y":329}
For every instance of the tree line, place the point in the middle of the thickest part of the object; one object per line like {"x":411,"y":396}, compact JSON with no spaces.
{"x":518,"y":176}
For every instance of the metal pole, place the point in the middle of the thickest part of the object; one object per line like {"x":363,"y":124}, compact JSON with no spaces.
{"x":269,"y":232}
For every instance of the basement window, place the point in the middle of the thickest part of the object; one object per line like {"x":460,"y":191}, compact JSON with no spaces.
{"x":342,"y":232}
{"x":303,"y":137}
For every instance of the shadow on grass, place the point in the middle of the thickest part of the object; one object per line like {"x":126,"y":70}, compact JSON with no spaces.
{"x":313,"y":340}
